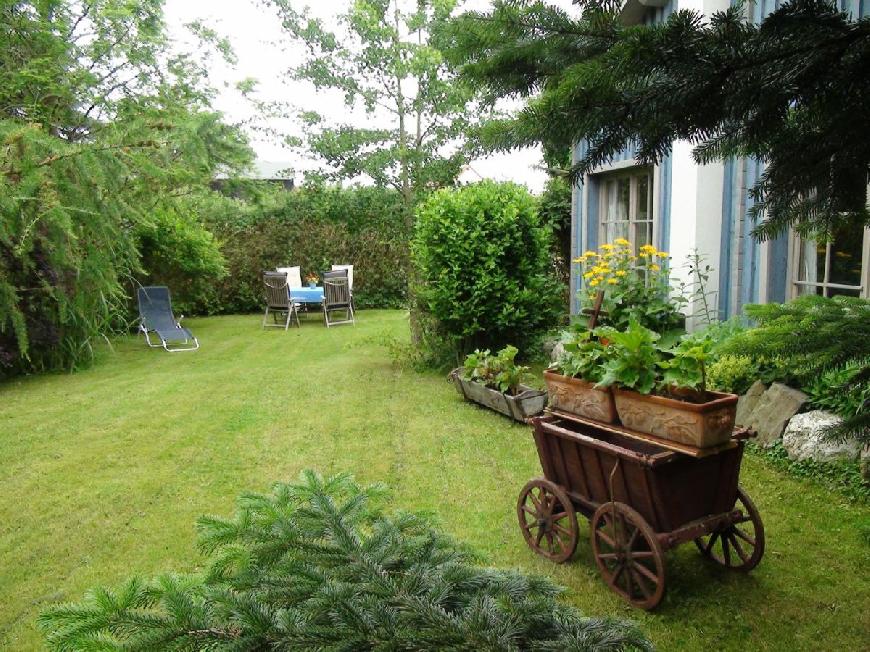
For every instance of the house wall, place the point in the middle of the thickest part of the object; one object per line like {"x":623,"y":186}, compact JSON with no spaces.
{"x":702,"y":207}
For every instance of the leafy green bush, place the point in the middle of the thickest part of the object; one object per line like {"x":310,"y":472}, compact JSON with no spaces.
{"x":733,"y":373}
{"x":315,"y":565}
{"x":483,"y":260}
{"x":497,"y":371}
{"x":178,"y":252}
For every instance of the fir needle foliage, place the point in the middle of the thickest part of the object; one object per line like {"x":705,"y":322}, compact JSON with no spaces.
{"x":791,"y":90}
{"x":316,"y":565}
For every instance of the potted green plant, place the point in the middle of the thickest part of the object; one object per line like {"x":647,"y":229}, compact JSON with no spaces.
{"x":663,"y":392}
{"x":633,"y":285}
{"x":572,"y":380}
{"x":495,"y":381}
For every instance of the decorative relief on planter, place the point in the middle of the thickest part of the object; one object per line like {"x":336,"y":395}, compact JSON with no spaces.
{"x":580,"y":397}
{"x":700,"y":425}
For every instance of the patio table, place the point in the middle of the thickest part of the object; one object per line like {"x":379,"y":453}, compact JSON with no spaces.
{"x":307,"y":295}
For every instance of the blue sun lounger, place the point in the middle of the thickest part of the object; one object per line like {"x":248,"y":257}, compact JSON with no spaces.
{"x":155,"y":317}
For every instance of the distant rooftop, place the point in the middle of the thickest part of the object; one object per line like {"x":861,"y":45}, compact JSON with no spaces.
{"x":267,"y":170}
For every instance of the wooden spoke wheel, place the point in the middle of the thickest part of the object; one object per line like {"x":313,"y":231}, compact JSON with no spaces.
{"x":739,"y":546}
{"x":628,"y":554}
{"x":548,"y":520}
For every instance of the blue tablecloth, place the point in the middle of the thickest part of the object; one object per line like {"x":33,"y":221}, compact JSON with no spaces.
{"x":307,"y":295}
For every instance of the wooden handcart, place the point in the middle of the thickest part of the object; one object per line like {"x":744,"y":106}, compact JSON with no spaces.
{"x":641,"y":500}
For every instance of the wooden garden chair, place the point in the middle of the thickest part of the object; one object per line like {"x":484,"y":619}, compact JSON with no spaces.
{"x":278,"y":300}
{"x":336,"y":297}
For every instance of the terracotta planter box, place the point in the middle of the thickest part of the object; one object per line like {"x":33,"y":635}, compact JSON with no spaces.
{"x":527,"y":403}
{"x":580,"y":397}
{"x":696,"y":424}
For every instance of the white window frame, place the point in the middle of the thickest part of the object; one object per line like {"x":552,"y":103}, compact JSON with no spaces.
{"x":796,"y":284}
{"x":633,"y":173}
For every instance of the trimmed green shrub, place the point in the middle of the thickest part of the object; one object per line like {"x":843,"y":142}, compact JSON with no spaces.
{"x":315,"y":565}
{"x":483,"y":260}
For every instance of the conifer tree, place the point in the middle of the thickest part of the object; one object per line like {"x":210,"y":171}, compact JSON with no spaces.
{"x":316,"y":565}
{"x":792,"y":90}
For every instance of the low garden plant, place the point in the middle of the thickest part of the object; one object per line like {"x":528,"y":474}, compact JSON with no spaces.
{"x":498,"y":371}
{"x":317,"y":564}
{"x":583,"y":357}
{"x":634,"y":286}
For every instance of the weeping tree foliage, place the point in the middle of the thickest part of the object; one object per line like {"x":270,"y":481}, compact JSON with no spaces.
{"x":316,"y":565}
{"x":385,"y":59}
{"x":105,"y":137}
{"x":792,"y":91}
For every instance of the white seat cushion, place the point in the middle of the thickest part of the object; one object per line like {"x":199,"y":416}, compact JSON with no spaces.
{"x":294,"y":276}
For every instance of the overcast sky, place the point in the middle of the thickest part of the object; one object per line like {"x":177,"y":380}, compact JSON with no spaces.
{"x":264,"y":53}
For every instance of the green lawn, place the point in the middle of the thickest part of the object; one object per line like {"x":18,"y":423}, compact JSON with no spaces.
{"x":103,"y":472}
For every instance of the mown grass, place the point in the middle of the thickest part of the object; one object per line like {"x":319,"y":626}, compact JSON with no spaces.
{"x":103,"y":473}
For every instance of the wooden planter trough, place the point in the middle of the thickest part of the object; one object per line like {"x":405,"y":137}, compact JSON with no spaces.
{"x":702,"y":425}
{"x":525,"y":404}
{"x":577,"y":396}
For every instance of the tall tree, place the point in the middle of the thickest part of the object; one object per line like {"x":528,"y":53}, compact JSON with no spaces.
{"x":386,"y":60}
{"x":103,"y":131}
{"x":792,"y":90}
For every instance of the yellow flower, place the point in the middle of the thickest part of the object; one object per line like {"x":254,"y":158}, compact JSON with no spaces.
{"x":620,"y":272}
{"x":647,"y":249}
{"x":589,"y":254}
{"x":593,"y":282}
{"x":662,"y":254}
{"x":589,"y":274}
{"x":622,"y":242}
{"x":612,"y":281}
{"x":654,"y":268}
{"x":607,"y":247}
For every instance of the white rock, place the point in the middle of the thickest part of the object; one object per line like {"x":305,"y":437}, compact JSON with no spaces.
{"x":803,"y":438}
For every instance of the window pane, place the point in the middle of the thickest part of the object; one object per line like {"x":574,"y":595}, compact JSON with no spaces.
{"x":846,"y":252}
{"x":811,"y":263}
{"x":642,"y":198}
{"x":642,"y":234}
{"x":832,"y":292}
{"x":623,"y":198}
{"x":808,"y":289}
{"x":610,"y":213}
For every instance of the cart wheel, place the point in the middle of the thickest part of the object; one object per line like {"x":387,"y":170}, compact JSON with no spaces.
{"x":547,"y":519}
{"x":739,"y":546}
{"x":628,"y":554}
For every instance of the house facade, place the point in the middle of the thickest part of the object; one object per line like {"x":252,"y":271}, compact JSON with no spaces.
{"x":680,"y":206}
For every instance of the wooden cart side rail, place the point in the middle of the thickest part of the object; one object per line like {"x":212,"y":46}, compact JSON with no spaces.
{"x":608,"y":447}
{"x":698,"y":528}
